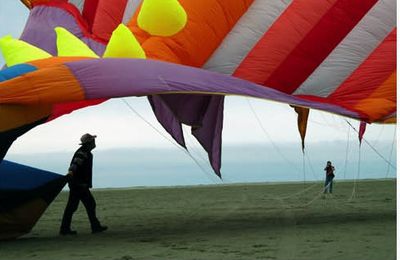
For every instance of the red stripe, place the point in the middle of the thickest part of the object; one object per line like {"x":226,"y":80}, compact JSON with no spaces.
{"x":377,"y":68}
{"x":282,"y":38}
{"x":66,"y":108}
{"x":108,"y":16}
{"x":317,"y":45}
{"x":89,"y":11}
{"x":72,"y":10}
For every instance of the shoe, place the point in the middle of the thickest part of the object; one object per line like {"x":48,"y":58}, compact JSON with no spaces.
{"x":99,"y":229}
{"x":68,"y":232}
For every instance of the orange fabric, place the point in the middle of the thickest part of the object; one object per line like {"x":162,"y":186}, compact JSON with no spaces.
{"x":45,"y":86}
{"x":64,"y":108}
{"x":381,"y":102}
{"x":302,"y":120}
{"x":31,"y":3}
{"x":275,"y":46}
{"x":203,"y":33}
{"x":21,"y":115}
{"x":391,"y":120}
{"x":27,"y":3}
{"x":51,"y":62}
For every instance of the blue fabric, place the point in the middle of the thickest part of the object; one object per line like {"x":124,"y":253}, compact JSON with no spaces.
{"x":15,"y":176}
{"x":15,"y":71}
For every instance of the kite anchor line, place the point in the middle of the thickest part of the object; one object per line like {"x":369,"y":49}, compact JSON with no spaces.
{"x":304,"y":171}
{"x":270,"y":139}
{"x":165,"y":137}
{"x":372,"y":147}
{"x":318,"y":195}
{"x":311,"y":167}
{"x":287,"y":160}
{"x":198,"y":153}
{"x":391,"y":152}
{"x":347,"y":153}
{"x":353,"y":194}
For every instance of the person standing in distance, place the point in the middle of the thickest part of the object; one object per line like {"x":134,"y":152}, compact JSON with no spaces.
{"x":329,"y":169}
{"x":79,"y":182}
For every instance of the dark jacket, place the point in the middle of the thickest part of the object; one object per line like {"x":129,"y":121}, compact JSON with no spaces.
{"x":329,"y":171}
{"x":81,"y":166}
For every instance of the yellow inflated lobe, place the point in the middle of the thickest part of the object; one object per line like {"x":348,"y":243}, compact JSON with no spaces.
{"x":69,"y":45}
{"x":123,"y":44}
{"x":17,"y":51}
{"x":162,"y":17}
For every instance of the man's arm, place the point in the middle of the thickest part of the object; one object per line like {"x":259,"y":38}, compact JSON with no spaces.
{"x":77,"y":161}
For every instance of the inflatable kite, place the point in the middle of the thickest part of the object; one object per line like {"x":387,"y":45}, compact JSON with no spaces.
{"x":337,"y":56}
{"x":25,"y":193}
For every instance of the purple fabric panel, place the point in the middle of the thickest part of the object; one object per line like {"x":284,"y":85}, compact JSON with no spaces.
{"x":39,"y":29}
{"x":189,"y":109}
{"x":209,"y":134}
{"x":204,"y":114}
{"x":107,"y":78}
{"x":97,"y":47}
{"x":167,"y":119}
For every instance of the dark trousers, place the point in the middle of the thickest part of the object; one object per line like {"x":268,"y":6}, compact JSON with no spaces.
{"x":77,"y":194}
{"x":328,"y":184}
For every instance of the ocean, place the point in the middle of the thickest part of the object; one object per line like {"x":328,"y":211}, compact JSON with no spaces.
{"x":251,"y":163}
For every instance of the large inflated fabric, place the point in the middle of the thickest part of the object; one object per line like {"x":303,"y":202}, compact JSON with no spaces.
{"x":333,"y":55}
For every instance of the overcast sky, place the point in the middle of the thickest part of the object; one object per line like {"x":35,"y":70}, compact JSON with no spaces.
{"x":117,"y":126}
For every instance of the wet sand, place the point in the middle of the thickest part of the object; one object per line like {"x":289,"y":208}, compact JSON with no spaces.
{"x":252,"y":221}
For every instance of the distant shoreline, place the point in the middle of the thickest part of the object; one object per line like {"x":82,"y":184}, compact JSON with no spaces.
{"x":238,"y":184}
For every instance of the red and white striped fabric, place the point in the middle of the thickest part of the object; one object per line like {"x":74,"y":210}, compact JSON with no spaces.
{"x":341,"y":52}
{"x":316,"y":50}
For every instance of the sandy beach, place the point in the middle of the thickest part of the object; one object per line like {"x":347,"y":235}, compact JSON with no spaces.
{"x":243,"y":221}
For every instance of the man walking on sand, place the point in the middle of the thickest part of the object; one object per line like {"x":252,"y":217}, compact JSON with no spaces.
{"x":80,"y":182}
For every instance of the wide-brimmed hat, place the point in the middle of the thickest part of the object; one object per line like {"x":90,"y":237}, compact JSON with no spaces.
{"x":87,"y":138}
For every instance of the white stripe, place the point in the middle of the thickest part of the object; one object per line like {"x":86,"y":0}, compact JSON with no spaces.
{"x":78,"y":3}
{"x":130,"y":10}
{"x":245,"y":34}
{"x":352,"y":51}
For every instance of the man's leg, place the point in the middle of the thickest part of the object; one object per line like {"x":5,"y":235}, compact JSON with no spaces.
{"x":72,"y":206}
{"x":331,"y":185}
{"x":90,"y":205}
{"x":326,"y":185}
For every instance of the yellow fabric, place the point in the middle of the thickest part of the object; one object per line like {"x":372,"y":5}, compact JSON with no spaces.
{"x":17,"y":51}
{"x":123,"y":44}
{"x":162,"y":17}
{"x":69,"y":45}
